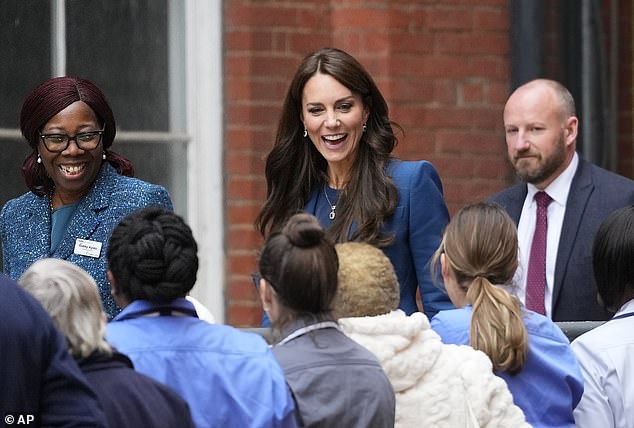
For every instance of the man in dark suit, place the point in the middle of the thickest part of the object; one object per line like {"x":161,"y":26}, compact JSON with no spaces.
{"x":555,"y":275}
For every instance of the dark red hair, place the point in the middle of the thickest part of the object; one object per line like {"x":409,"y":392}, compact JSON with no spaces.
{"x":48,"y":99}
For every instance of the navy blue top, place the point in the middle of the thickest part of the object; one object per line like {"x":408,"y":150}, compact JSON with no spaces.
{"x":38,"y":375}
{"x":131,"y":399}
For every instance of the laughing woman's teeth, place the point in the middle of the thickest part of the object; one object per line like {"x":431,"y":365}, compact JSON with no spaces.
{"x":71,"y":169}
{"x":334,"y":138}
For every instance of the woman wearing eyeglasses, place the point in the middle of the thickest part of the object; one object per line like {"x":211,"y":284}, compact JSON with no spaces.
{"x":79,"y":188}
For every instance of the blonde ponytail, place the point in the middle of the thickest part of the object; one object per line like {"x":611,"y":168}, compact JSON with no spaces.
{"x":497,"y":328}
{"x":480,"y":247}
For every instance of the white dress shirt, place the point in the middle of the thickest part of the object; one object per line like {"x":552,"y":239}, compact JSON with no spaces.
{"x":605,"y":357}
{"x":558,"y":190}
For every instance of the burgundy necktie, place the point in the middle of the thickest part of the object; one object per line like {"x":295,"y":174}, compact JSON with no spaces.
{"x":536,"y":278}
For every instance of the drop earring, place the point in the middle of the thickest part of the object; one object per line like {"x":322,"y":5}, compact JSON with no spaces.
{"x":305,"y":133}
{"x":103,"y":155}
{"x":364,"y":127}
{"x":39,"y":159}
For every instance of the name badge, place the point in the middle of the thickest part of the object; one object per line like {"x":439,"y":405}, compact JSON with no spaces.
{"x":84,"y":247}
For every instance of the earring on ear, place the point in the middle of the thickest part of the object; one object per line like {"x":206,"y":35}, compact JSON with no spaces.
{"x":39,"y":158}
{"x":305,"y":133}
{"x":103,"y":155}
{"x":364,"y":127}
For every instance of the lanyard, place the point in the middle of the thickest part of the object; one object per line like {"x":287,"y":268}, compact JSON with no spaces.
{"x":307,"y":329}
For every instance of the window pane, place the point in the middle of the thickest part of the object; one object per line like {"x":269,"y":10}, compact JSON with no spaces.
{"x":25,"y":50}
{"x":159,"y":163}
{"x":122,"y":46}
{"x":11,"y":157}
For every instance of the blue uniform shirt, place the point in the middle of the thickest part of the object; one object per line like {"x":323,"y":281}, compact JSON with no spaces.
{"x":549,"y":386}
{"x":229,"y":378}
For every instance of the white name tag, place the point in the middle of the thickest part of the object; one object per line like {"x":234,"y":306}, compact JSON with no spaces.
{"x":84,"y":247}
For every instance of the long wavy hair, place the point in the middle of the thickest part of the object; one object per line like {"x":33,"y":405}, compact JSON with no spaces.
{"x":44,"y":102}
{"x":294,"y":167}
{"x":480,"y":246}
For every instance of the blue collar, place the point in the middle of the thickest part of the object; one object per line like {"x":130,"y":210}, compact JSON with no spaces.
{"x":625,"y":315}
{"x":140,"y":308}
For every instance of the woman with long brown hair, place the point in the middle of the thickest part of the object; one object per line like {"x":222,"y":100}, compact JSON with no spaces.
{"x":332,"y":158}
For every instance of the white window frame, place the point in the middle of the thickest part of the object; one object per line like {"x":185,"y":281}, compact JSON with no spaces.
{"x":205,"y":167}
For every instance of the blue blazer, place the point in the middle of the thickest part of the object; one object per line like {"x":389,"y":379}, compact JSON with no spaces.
{"x":25,"y":226}
{"x":594,"y":194}
{"x":417,"y":226}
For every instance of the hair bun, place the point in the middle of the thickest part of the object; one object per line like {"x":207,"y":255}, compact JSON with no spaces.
{"x":303,"y":230}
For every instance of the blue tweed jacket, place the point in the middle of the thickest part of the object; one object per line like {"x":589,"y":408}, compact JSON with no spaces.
{"x":25,"y":226}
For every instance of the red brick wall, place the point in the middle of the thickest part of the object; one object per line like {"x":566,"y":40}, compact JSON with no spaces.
{"x":442,"y":66}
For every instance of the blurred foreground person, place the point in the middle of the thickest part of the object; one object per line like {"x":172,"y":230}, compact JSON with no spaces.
{"x":40,"y":384}
{"x":128,"y":398}
{"x":605,"y":353}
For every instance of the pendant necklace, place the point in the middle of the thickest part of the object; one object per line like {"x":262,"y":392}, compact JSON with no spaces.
{"x":332,"y":214}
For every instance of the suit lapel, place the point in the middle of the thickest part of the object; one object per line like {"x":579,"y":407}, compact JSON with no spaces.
{"x":580,"y":190}
{"x":85,"y":220}
{"x":513,"y":201}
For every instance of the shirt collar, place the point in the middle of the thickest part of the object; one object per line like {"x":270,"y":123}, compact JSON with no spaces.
{"x":139,"y":308}
{"x":559,"y":188}
{"x":626,"y":308}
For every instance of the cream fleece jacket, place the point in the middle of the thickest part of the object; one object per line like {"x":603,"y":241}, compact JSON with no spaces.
{"x":433,"y":382}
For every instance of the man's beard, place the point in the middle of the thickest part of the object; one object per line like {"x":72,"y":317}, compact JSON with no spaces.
{"x":546,"y":168}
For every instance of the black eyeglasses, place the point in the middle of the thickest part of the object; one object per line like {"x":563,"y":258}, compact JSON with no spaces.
{"x":256,"y":277}
{"x":57,"y":143}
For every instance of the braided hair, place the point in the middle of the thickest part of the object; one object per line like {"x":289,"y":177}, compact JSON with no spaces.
{"x":152,"y":255}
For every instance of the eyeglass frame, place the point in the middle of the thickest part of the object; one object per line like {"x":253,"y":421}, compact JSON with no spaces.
{"x":72,"y":138}
{"x":256,"y":277}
